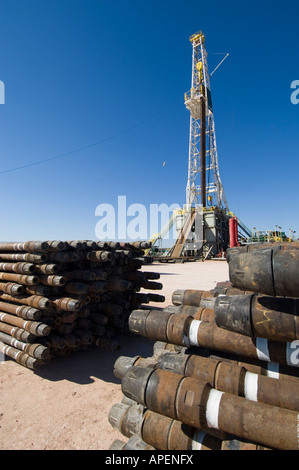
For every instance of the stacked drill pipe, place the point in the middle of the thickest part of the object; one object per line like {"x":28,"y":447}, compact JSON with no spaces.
{"x":183,"y":401}
{"x":160,"y":432}
{"x":60,"y":296}
{"x":225,"y":368}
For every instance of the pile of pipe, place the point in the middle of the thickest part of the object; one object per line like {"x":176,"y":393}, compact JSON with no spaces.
{"x":60,"y":296}
{"x":224,"y":372}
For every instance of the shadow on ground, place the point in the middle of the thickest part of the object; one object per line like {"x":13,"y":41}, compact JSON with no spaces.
{"x":83,"y":367}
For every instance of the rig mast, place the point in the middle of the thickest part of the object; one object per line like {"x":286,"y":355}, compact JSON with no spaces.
{"x":205,"y":226}
{"x":204,"y":184}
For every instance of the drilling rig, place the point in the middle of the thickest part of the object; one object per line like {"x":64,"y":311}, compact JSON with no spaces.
{"x":204,"y":226}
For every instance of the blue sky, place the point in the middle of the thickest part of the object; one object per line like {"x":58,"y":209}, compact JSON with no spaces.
{"x":109,"y":77}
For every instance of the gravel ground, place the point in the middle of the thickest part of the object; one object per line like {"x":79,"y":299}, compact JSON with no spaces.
{"x":65,"y":405}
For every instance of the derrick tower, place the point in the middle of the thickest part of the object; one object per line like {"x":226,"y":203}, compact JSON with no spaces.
{"x":203,"y":224}
{"x":204,"y":184}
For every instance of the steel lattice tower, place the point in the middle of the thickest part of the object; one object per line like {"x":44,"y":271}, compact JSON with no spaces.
{"x":203,"y":171}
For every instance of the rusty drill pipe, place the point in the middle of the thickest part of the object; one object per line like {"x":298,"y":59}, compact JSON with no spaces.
{"x":100,"y":275}
{"x":221,"y":375}
{"x":34,"y":350}
{"x":271,"y":272}
{"x":98,"y":286}
{"x":197,"y":404}
{"x":46,"y":268}
{"x":160,"y":347}
{"x":151,"y":285}
{"x":58,"y":257}
{"x":20,"y":357}
{"x":83,"y":299}
{"x":197,"y":298}
{"x":123,"y":363}
{"x":113,"y":245}
{"x":68,"y":317}
{"x":20,"y":279}
{"x":26,"y":312}
{"x":152,"y":275}
{"x":269,"y":369}
{"x":76,"y":288}
{"x":200,"y":313}
{"x":19,"y":268}
{"x":38,"y":290}
{"x":102,"y":245}
{"x":165,"y":433}
{"x":107,"y":344}
{"x":261,"y":246}
{"x":91,"y":244}
{"x":53,"y":280}
{"x":155,"y":297}
{"x":85,"y":337}
{"x":210,"y":336}
{"x":78,"y":244}
{"x":190,"y":297}
{"x":234,"y":379}
{"x":66,"y":303}
{"x":100,"y":255}
{"x":110,"y":308}
{"x":28,"y":257}
{"x":36,"y":301}
{"x":31,"y":246}
{"x":118,"y":285}
{"x":134,"y":443}
{"x":135,"y":276}
{"x":36,"y":328}
{"x":259,"y":316}
{"x":184,"y":330}
{"x":84,"y":275}
{"x":144,"y":245}
{"x":72,"y":341}
{"x":56,"y":245}
{"x":53,"y":341}
{"x":127,"y":419}
{"x":12,"y":288}
{"x":230,"y":291}
{"x":17,"y":333}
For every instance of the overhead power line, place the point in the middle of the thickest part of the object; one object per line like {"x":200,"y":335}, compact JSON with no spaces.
{"x":86,"y":147}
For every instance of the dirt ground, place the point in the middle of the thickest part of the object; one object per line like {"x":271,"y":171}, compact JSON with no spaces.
{"x":65,"y":405}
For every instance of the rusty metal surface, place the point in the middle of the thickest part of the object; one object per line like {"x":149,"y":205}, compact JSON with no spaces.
{"x":259,"y":316}
{"x":197,"y":404}
{"x":270,"y":271}
{"x":82,"y":290}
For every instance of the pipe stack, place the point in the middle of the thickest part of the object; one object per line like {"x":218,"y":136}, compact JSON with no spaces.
{"x":60,"y":296}
{"x":224,"y":374}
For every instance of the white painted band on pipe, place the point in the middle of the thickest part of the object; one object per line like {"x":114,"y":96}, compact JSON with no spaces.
{"x":273,"y":370}
{"x":262,"y":349}
{"x":197,"y":439}
{"x":212,"y":409}
{"x":251,"y":386}
{"x":193,"y":330}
